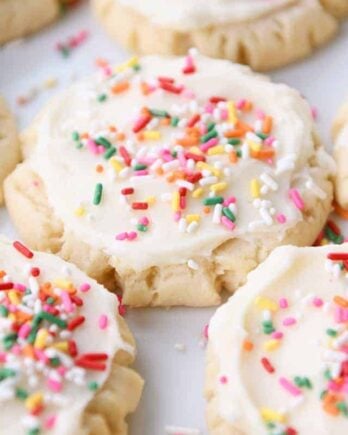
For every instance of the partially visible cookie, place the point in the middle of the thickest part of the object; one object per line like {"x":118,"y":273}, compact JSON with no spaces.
{"x":277,"y":360}
{"x":9,"y":145}
{"x":19,"y":18}
{"x":171,"y":178}
{"x":340,"y":132}
{"x":264,"y":34}
{"x":64,"y":350}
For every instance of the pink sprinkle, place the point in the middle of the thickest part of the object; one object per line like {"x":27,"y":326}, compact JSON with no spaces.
{"x":122,"y":309}
{"x":224,"y":114}
{"x":68,"y":306}
{"x":283,"y":303}
{"x":16,"y":349}
{"x":341,"y":315}
{"x":296,"y":198}
{"x":141,"y":173}
{"x":206,"y":331}
{"x":290,"y":387}
{"x":314,"y":111}
{"x":281,"y":218}
{"x":177,"y":216}
{"x":187,"y":93}
{"x":3,"y":357}
{"x":41,"y":356}
{"x":19,"y":287}
{"x":209,"y":144}
{"x":53,"y":385}
{"x":269,"y":141}
{"x":289,"y":321}
{"x":209,"y":108}
{"x":103,"y":321}
{"x":121,"y":236}
{"x":24,"y":331}
{"x":229,"y":200}
{"x":223,"y":379}
{"x":50,"y":422}
{"x":62,"y":370}
{"x":85,"y":287}
{"x":240,"y":104}
{"x":277,"y":335}
{"x":260,"y":114}
{"x":317,"y":302}
{"x":227,"y":223}
{"x":92,"y":146}
{"x":132,"y":235}
{"x":144,"y":221}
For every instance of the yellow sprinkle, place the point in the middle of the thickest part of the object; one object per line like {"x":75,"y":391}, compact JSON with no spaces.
{"x":13,"y":296}
{"x":63,"y":284}
{"x":271,"y":415}
{"x":195,"y":150}
{"x":116,"y":164}
{"x":151,"y":200}
{"x":271,"y":345}
{"x":128,"y":64}
{"x":63,"y":346}
{"x":266,"y":304}
{"x":218,"y":187}
{"x":175,"y":201}
{"x":49,"y":83}
{"x":152,"y":135}
{"x":34,"y":401}
{"x":12,"y":317}
{"x":254,"y":145}
{"x":41,"y":338}
{"x":255,"y":188}
{"x":218,"y":149}
{"x":80,"y":211}
{"x":197,"y":193}
{"x":193,"y":218}
{"x":232,"y":113}
{"x":214,"y":171}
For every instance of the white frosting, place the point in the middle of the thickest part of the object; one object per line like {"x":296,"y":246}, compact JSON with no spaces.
{"x":306,"y":349}
{"x":342,"y":138}
{"x":70,"y":175}
{"x":89,"y":337}
{"x":193,"y":14}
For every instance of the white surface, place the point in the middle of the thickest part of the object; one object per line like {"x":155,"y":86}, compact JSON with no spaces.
{"x":174,"y":380}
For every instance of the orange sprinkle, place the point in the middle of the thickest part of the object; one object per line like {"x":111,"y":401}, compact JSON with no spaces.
{"x":329,"y":404}
{"x":140,"y":136}
{"x":247,"y":106}
{"x":159,"y":171}
{"x":170,"y":178}
{"x":206,"y":210}
{"x":340,"y":211}
{"x":248,"y":345}
{"x":188,"y":141}
{"x":23,"y":317}
{"x":28,"y":351}
{"x":342,"y":302}
{"x":233,"y":157}
{"x":2,"y":273}
{"x":112,"y":128}
{"x":164,"y":121}
{"x":234,"y":133}
{"x":120,"y":136}
{"x":85,"y":136}
{"x":145,"y":89}
{"x":120,"y":87}
{"x":101,"y":62}
{"x":99,"y":168}
{"x":267,"y":125}
{"x":267,"y":153}
{"x":244,"y":126}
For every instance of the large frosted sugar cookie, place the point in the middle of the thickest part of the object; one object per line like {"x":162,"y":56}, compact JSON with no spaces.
{"x":171,"y":178}
{"x":21,"y":17}
{"x":340,"y":131}
{"x":9,"y":147}
{"x":262,"y":33}
{"x":64,"y":350}
{"x":277,"y":360}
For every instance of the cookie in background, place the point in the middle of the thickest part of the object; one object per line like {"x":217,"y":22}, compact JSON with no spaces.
{"x":340,"y":133}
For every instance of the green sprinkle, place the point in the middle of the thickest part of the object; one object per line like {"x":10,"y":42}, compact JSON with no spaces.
{"x":139,"y":167}
{"x":55,"y":361}
{"x":213,"y":200}
{"x":303,"y":382}
{"x":32,"y":336}
{"x":75,"y":135}
{"x":136,"y":67}
{"x":79,"y":145}
{"x":98,"y":192}
{"x":234,"y":142}
{"x":239,"y":153}
{"x":174,"y":154}
{"x":227,"y":212}
{"x":65,"y":51}
{"x":323,"y":394}
{"x":6,"y":373}
{"x":9,"y":340}
{"x":210,"y":135}
{"x":21,"y":393}
{"x":35,"y":431}
{"x":142,"y":228}
{"x":327,"y":374}
{"x":49,"y":301}
{"x":93,"y":386}
{"x":53,"y":319}
{"x":262,"y":136}
{"x":331,"y":332}
{"x":337,"y":239}
{"x":3,"y":311}
{"x":343,"y":408}
{"x":109,"y":153}
{"x":103,"y":142}
{"x":210,"y":126}
{"x":159,"y":113}
{"x":174,"y":121}
{"x":267,"y":327}
{"x":101,"y":98}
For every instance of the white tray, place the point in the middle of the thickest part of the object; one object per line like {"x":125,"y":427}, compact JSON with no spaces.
{"x":174,"y":379}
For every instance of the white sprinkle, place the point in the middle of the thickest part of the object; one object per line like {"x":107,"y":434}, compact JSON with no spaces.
{"x":217,"y":214}
{"x":186,"y":184}
{"x":320,"y":193}
{"x":182,"y":225}
{"x":180,"y":347}
{"x":208,"y":180}
{"x":176,"y":430}
{"x":268,"y":180}
{"x":192,"y":227}
{"x":192,"y":264}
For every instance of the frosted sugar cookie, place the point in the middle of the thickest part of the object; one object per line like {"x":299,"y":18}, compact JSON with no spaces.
{"x":64,"y":350}
{"x":340,"y":131}
{"x":277,"y":350}
{"x":9,"y":147}
{"x":21,"y":17}
{"x":171,"y":178}
{"x":262,"y":33}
